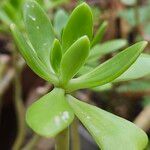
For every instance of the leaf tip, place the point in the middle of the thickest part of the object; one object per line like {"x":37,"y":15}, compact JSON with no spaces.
{"x":12,"y":26}
{"x":85,"y":6}
{"x":85,"y":39}
{"x":105,"y":23}
{"x":142,"y":44}
{"x":145,"y":43}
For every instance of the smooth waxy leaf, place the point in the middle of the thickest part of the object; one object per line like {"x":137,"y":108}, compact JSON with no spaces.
{"x":84,"y":69}
{"x":55,"y":55}
{"x":109,"y":131}
{"x":104,"y":87}
{"x":30,"y":56}
{"x":60,"y":20}
{"x":51,"y":114}
{"x":109,"y":70}
{"x":100,"y":33}
{"x":134,"y":87}
{"x":105,"y":48}
{"x":138,"y":70}
{"x":74,"y":59}
{"x":80,"y":23}
{"x":39,"y":29}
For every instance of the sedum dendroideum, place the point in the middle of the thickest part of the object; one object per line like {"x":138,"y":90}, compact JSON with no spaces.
{"x":58,"y":61}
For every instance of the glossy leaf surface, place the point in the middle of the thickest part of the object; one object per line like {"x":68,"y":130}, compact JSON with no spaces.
{"x":139,"y":69}
{"x":109,"y":131}
{"x":55,"y":55}
{"x":51,"y":114}
{"x":74,"y":58}
{"x":110,"y":69}
{"x":39,"y":29}
{"x":29,"y":55}
{"x":80,"y":23}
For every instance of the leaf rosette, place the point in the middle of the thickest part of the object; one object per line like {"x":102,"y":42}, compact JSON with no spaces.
{"x":59,"y":62}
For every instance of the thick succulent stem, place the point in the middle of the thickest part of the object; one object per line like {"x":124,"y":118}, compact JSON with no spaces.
{"x":19,"y":107}
{"x":62,"y":140}
{"x":75,"y":135}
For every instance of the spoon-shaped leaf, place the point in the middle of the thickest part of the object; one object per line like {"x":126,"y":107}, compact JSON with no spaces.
{"x":139,"y":69}
{"x":51,"y":114}
{"x":60,"y":20}
{"x":41,"y":37}
{"x":109,"y":131}
{"x":110,"y":69}
{"x":74,"y":59}
{"x":105,"y":48}
{"x":100,"y":33}
{"x":79,"y":24}
{"x":29,"y":55}
{"x":55,"y":55}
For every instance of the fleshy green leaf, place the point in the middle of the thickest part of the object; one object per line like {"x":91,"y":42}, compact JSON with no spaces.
{"x":104,"y":87}
{"x":39,"y":29}
{"x":84,"y":69}
{"x":109,"y":131}
{"x":29,"y":55}
{"x":105,"y":48}
{"x":74,"y":59}
{"x":134,"y":87}
{"x":110,"y":69}
{"x":100,"y":33}
{"x":80,"y":23}
{"x":55,"y":55}
{"x":51,"y":114}
{"x":60,"y":20}
{"x":138,"y":70}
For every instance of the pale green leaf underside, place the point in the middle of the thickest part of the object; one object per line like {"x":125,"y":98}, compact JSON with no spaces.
{"x":101,"y":88}
{"x":139,"y":69}
{"x":138,"y":86}
{"x":105,"y":48}
{"x":99,"y":34}
{"x":74,"y":58}
{"x":109,"y":131}
{"x":109,"y":70}
{"x":60,"y":20}
{"x":84,"y":69}
{"x":50,"y":114}
{"x":10,"y":12}
{"x":80,"y":23}
{"x":39,"y":30}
